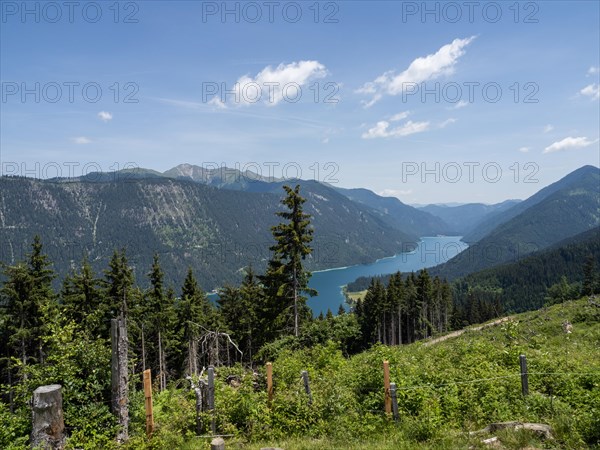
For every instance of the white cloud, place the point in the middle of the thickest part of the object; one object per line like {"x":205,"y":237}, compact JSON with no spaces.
{"x":524,"y":149}
{"x":569,"y":143}
{"x":81,"y":140}
{"x":394,"y":192}
{"x":399,"y":116}
{"x":325,"y":141}
{"x":216,"y":101}
{"x":382,"y":129}
{"x":421,"y":69}
{"x":105,"y":116}
{"x":548,"y":128}
{"x":447,"y":122}
{"x":593,"y":70}
{"x":591,"y":90}
{"x":460,"y":104}
{"x":272,"y":85}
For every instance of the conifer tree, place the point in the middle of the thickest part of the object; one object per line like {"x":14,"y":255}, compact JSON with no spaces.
{"x":28,"y":299}
{"x":158,"y":320}
{"x":242,"y":311}
{"x":396,"y":301}
{"x":82,"y":300}
{"x":193,"y":310}
{"x":118,"y":283}
{"x":424,"y":290}
{"x":412,"y":307}
{"x":589,"y":276}
{"x":286,"y":280}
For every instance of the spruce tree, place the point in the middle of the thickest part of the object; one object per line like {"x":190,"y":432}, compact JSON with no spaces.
{"x":21,"y":316}
{"x":286,"y":280}
{"x":239,"y":308}
{"x":158,"y":320}
{"x":396,"y":301}
{"x":589,"y":276}
{"x":82,"y":300}
{"x":28,"y":300}
{"x":193,"y":311}
{"x":412,"y":307}
{"x":424,"y":291}
{"x":118,"y":283}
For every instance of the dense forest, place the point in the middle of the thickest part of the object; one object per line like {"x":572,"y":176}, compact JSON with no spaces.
{"x":567,"y":267}
{"x":404,"y":311}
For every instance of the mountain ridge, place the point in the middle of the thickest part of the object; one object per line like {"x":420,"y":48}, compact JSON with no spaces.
{"x":497,"y":219}
{"x":216,"y":231}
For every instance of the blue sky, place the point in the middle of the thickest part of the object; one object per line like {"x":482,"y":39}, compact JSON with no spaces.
{"x":341,"y":92}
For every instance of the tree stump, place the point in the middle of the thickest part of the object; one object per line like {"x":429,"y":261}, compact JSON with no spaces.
{"x":217,"y":444}
{"x":48,"y":421}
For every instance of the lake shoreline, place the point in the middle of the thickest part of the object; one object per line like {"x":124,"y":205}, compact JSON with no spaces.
{"x":331,"y":283}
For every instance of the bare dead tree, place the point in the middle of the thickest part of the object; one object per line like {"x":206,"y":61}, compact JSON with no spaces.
{"x":213,"y":343}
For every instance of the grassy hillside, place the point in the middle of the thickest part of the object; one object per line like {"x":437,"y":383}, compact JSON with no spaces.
{"x":445,"y":391}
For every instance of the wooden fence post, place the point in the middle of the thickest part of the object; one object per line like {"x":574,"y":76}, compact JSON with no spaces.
{"x":48,"y":423}
{"x":270,"y":382}
{"x":211,"y":398}
{"x":148,"y":402}
{"x":120,"y":376}
{"x":307,"y":386}
{"x":524,"y":380}
{"x":386,"y":384}
{"x":394,"y":400}
{"x":198,"y":394}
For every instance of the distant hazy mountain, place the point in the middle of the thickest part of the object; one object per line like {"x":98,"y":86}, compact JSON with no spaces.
{"x":222,"y":177}
{"x":402,"y":216}
{"x":563,"y":209}
{"x":464,"y":218}
{"x":215,"y":231}
{"x":450,"y":204}
{"x":499,"y":217}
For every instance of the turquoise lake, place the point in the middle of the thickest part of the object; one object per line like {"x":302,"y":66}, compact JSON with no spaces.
{"x":429,"y":252}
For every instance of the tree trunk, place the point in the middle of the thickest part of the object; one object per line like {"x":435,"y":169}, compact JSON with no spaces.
{"x":143,"y":351}
{"x":295,"y":303}
{"x":165,"y":371}
{"x":10,"y":388}
{"x":249,"y":346}
{"x":192,"y":356}
{"x":48,"y":422}
{"x":23,"y":351}
{"x":160,"y":363}
{"x":120,"y":377}
{"x":399,"y":325}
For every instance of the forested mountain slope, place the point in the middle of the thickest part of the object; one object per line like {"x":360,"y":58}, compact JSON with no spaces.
{"x":589,"y":175}
{"x":215,"y":231}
